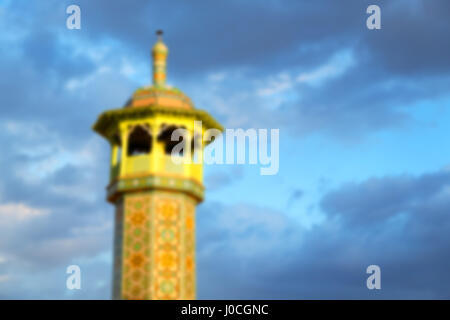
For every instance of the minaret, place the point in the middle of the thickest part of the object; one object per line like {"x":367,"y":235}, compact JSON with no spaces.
{"x":154,"y":196}
{"x":159,"y":54}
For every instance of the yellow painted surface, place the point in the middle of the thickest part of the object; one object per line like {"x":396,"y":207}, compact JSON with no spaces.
{"x":156,"y":162}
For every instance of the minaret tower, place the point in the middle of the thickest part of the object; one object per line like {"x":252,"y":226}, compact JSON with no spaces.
{"x":154,"y":196}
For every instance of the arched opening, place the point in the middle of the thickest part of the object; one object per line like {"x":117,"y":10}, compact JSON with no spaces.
{"x":139,"y":141}
{"x":165,"y":136}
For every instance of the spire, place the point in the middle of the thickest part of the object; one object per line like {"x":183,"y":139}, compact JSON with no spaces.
{"x":159,"y":54}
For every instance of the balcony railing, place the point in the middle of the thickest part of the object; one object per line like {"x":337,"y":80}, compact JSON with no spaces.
{"x":138,"y":164}
{"x":161,"y":164}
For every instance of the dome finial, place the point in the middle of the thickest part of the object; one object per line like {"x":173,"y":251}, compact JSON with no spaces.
{"x":159,"y":33}
{"x":159,"y":53}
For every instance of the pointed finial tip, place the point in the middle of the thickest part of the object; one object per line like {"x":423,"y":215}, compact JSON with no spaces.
{"x":159,"y":33}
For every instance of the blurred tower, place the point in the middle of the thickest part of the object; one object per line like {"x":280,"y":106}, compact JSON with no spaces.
{"x":154,"y":197}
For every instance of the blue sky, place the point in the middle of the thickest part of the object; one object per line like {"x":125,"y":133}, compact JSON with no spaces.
{"x":363,"y":115}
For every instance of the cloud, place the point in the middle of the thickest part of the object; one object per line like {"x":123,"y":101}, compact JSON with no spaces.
{"x":399,"y":223}
{"x":298,"y":67}
{"x":18,"y":212}
{"x":384,"y":198}
{"x":337,"y":65}
{"x":295,"y":196}
{"x":220,"y":179}
{"x":282,"y":83}
{"x":290,"y":64}
{"x":408,"y":42}
{"x":55,"y":218}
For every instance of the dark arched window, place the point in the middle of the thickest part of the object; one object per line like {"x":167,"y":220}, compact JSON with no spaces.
{"x":165,"y":136}
{"x":139,"y":141}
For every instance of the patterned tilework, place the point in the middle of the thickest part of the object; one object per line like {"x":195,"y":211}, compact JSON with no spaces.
{"x":136,"y":243}
{"x":118,"y":238}
{"x":189,"y":254}
{"x":167,"y":249}
{"x":158,"y":241}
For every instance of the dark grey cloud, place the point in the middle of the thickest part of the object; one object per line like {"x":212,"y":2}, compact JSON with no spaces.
{"x":382,"y":198}
{"x":411,"y":41}
{"x":233,"y":33}
{"x":399,"y":223}
{"x":229,"y":34}
{"x":402,"y":63}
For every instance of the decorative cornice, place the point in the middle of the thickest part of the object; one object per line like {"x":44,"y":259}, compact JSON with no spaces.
{"x":155,"y":182}
{"x":110,"y":119}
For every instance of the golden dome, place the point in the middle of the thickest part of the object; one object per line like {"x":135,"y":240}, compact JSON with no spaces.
{"x":153,"y":96}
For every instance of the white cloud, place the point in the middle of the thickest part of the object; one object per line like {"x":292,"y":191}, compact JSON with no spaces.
{"x":335,"y":67}
{"x":46,"y":151}
{"x":276,"y":85}
{"x":28,"y":130}
{"x":82,"y":82}
{"x":319,"y":74}
{"x":217,"y":77}
{"x":11,"y":212}
{"x":127,"y":69}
